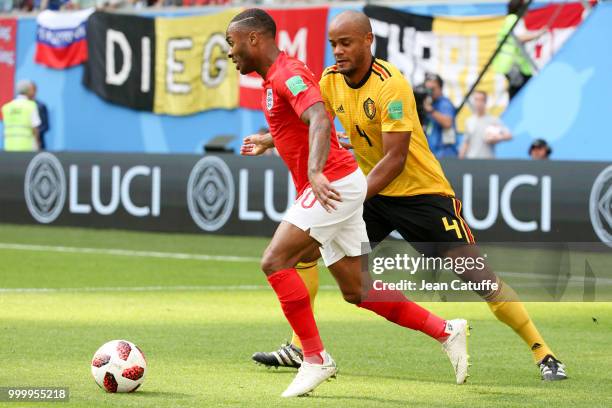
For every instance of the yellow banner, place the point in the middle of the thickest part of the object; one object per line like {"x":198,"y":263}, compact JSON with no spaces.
{"x":192,"y":71}
{"x":464,"y":47}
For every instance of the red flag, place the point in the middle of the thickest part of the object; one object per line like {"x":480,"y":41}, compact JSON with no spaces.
{"x":8,"y":57}
{"x":560,"y":21}
{"x":555,"y":16}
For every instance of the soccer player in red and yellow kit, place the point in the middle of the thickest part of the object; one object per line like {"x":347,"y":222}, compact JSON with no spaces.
{"x":407,"y":189}
{"x":327,"y":216}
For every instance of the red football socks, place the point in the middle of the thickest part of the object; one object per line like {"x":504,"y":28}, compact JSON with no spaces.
{"x":397,"y":308}
{"x":295,"y":302}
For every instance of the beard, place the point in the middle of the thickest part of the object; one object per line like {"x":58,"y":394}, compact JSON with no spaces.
{"x":347,"y":70}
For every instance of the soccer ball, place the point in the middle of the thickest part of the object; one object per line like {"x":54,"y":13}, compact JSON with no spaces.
{"x":119,"y":366}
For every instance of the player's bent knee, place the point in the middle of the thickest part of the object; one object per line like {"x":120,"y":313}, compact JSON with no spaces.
{"x":267,"y":265}
{"x":271,"y":263}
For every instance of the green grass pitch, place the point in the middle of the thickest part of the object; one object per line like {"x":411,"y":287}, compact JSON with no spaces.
{"x":199,"y":320}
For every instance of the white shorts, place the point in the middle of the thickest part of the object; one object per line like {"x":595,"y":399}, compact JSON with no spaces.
{"x":342,"y":232}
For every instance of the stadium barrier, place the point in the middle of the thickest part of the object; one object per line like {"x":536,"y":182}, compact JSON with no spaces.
{"x":514,"y":201}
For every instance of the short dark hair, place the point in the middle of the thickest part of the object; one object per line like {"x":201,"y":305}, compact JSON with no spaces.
{"x":514,"y":6}
{"x":430,"y":76}
{"x":541,"y":143}
{"x":256,"y":19}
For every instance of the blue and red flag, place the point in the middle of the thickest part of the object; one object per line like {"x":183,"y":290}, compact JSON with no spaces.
{"x":61,"y":38}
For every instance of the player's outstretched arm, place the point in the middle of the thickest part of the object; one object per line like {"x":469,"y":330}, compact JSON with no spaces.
{"x":395,"y":152}
{"x":319,"y":130}
{"x":345,"y":145}
{"x":255,"y":145}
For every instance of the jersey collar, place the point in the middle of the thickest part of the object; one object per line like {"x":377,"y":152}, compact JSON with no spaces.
{"x":363,"y":80}
{"x":274,"y":66}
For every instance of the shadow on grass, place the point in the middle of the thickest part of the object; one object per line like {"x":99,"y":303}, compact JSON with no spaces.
{"x":162,"y":394}
{"x":479,"y":388}
{"x":373,"y":400}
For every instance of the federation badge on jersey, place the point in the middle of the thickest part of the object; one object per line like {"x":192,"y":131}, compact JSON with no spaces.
{"x":369,"y":107}
{"x":296,"y":85}
{"x":269,"y":99}
{"x":396,"y":110}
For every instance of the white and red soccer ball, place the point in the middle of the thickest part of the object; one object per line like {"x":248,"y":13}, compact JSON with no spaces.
{"x":119,"y":366}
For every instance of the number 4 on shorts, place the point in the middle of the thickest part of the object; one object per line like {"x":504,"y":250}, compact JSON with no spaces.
{"x":454,"y":226}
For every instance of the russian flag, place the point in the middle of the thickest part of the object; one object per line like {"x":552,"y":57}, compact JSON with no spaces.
{"x":61,"y":38}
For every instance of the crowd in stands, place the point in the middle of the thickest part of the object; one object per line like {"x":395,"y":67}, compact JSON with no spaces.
{"x":482,"y":131}
{"x":25,"y":6}
{"x":436,"y":112}
{"x":39,"y":5}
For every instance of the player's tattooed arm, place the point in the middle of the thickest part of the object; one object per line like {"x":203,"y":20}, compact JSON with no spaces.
{"x":395,"y":153}
{"x":257,"y":144}
{"x":319,"y":130}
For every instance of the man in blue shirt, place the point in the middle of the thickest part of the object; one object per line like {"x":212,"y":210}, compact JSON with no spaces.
{"x":43,"y":113}
{"x":440,"y":122}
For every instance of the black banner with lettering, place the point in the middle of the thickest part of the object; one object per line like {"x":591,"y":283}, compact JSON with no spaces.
{"x":403,"y":22}
{"x":120,"y":68}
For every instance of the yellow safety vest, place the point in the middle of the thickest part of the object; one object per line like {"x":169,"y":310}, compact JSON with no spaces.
{"x":18,"y":131}
{"x":510,"y":53}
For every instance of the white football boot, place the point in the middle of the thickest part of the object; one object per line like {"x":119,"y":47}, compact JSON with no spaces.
{"x":309,"y":376}
{"x":456,"y":347}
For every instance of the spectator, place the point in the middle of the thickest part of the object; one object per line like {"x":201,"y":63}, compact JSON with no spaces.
{"x":24,"y":5}
{"x":540,"y":150}
{"x":440,"y":119}
{"x":197,"y":3}
{"x":21,"y":121}
{"x":50,"y":4}
{"x":511,"y":60}
{"x":84,"y":4}
{"x":482,"y":131}
{"x":42,"y":113}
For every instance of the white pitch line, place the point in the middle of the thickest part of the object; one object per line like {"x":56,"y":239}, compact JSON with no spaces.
{"x":211,"y":288}
{"x":198,"y":257}
{"x":186,"y":288}
{"x":132,"y":289}
{"x":125,"y":252}
{"x":547,"y":277}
